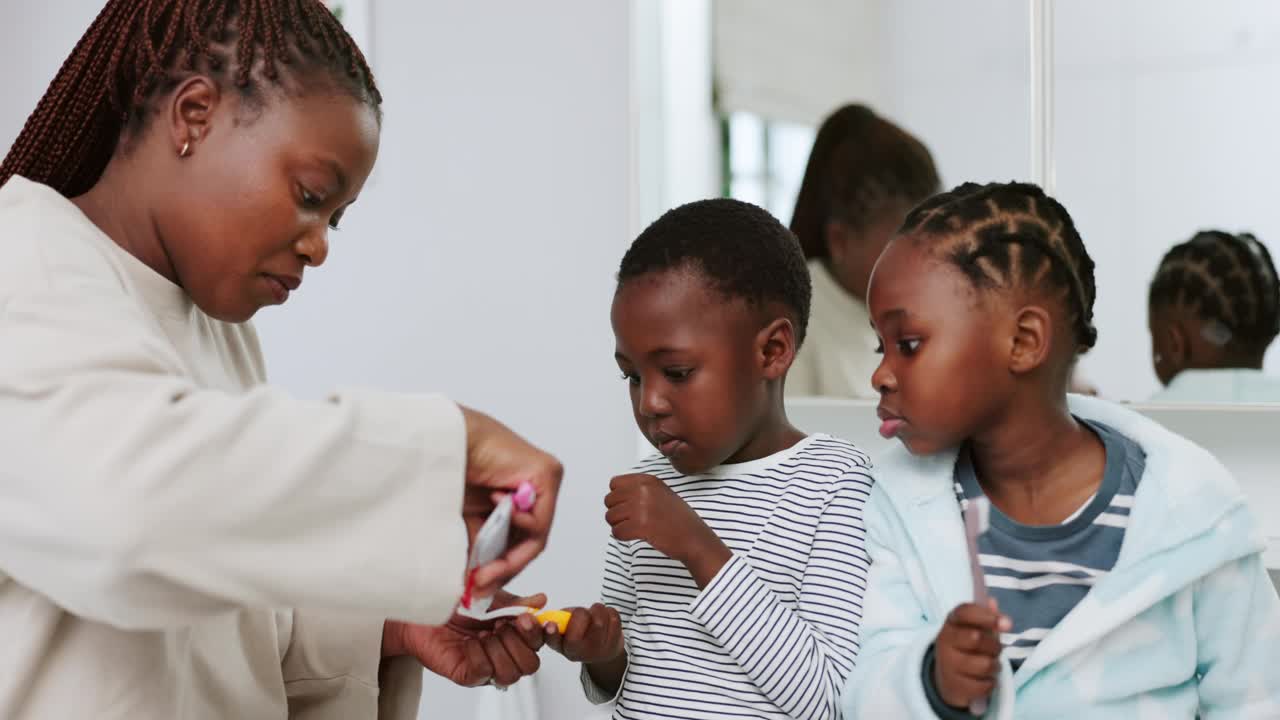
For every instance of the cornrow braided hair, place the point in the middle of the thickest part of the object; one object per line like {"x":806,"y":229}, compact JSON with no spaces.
{"x":1008,"y":235}
{"x":860,"y":164}
{"x":137,"y":49}
{"x":1225,"y":278}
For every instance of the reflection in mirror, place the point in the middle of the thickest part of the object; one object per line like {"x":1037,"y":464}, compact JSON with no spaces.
{"x":864,"y":173}
{"x":1163,"y":130}
{"x":1159,"y":132}
{"x":1214,"y":309}
{"x":909,"y":105}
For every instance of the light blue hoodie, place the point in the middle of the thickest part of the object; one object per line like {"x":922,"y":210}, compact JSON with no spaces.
{"x":1186,"y":622}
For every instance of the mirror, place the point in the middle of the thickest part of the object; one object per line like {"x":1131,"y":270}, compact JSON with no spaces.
{"x":1162,"y":129}
{"x":1147,"y":120}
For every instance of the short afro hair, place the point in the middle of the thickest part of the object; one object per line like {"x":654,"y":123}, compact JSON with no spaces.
{"x":742,"y":251}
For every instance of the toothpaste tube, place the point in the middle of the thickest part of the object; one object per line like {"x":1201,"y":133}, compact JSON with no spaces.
{"x":491,"y":541}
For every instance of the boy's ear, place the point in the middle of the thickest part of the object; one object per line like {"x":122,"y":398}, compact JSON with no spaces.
{"x":1032,"y":339}
{"x":776,"y":348}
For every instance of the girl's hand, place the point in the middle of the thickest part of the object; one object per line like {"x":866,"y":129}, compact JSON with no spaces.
{"x":967,"y":654}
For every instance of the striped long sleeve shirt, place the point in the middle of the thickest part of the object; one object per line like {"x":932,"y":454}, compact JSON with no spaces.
{"x":775,"y":633}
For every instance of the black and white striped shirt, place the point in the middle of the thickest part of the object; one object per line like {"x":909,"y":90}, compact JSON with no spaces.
{"x":775,"y":633}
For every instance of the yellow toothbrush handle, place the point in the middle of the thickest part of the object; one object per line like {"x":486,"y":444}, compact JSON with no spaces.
{"x":559,"y":617}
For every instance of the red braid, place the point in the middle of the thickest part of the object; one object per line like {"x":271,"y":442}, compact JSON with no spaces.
{"x":135,"y":48}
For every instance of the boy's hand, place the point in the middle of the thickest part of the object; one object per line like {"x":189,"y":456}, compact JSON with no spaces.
{"x":967,"y":653}
{"x":642,"y":507}
{"x":593,"y":635}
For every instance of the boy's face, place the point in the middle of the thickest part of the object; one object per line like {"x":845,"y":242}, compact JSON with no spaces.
{"x":943,"y":375}
{"x":693,"y":362}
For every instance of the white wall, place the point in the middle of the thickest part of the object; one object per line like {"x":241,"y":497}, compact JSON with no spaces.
{"x":786,"y":61}
{"x":483,"y":263}
{"x":958,"y":76}
{"x":35,"y":37}
{"x":479,"y":260}
{"x":678,"y":141}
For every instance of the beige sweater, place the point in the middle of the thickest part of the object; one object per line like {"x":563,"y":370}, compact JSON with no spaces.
{"x":839,"y":352}
{"x":161,"y":509}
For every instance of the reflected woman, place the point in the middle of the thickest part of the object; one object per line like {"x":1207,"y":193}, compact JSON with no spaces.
{"x":864,"y":174}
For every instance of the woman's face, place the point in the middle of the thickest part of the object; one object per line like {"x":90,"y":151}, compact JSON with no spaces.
{"x":258,"y":194}
{"x":854,"y":252}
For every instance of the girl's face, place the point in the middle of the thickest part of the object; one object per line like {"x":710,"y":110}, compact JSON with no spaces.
{"x":696,"y":363}
{"x":944,"y":374}
{"x":256,"y":198}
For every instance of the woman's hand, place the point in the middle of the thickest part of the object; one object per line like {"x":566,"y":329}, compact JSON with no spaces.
{"x":470,"y":652}
{"x":498,"y":461}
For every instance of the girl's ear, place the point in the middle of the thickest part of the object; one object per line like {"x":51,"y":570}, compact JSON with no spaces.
{"x":1032,"y":339}
{"x":1178,"y":348}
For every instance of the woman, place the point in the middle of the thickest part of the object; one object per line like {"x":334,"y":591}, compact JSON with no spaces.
{"x":864,"y":174}
{"x":161,"y":505}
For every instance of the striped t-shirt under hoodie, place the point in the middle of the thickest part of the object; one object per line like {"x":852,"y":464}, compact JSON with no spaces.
{"x":775,"y":633}
{"x":1038,"y":573}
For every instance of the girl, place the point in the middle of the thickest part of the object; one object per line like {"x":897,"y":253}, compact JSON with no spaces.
{"x":1124,"y":566}
{"x":160,"y":506}
{"x":1214,"y":309}
{"x":733,"y":582}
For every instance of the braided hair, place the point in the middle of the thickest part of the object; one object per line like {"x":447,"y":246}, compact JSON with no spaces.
{"x":1009,"y":235}
{"x":136,"y":50}
{"x":860,"y":163}
{"x":1226,"y":279}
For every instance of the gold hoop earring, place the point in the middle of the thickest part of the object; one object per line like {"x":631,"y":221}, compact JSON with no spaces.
{"x":186,"y":149}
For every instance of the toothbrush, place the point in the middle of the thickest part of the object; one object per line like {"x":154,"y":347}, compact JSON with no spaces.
{"x":977,"y":518}
{"x":559,"y":617}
